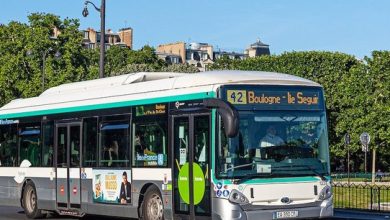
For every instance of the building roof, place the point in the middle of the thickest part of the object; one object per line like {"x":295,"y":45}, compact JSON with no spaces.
{"x":258,"y":43}
{"x":229,"y":53}
{"x":166,"y":54}
{"x":125,"y":29}
{"x":170,"y":44}
{"x":138,"y":86}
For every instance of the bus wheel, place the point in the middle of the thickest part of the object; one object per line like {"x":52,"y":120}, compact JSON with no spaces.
{"x":152,"y":208}
{"x":30,"y":203}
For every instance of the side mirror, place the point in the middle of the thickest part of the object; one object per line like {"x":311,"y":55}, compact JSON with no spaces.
{"x":228,"y":113}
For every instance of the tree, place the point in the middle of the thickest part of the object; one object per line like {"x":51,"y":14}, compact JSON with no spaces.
{"x":367,"y":107}
{"x":23,"y":48}
{"x":116,"y":59}
{"x":356,"y":92}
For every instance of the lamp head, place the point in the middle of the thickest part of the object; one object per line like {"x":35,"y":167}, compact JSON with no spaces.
{"x":29,"y":53}
{"x":85,"y":11}
{"x":57,"y":55}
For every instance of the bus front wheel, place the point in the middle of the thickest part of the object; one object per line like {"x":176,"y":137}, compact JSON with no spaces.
{"x":152,"y":208}
{"x":30,"y":201}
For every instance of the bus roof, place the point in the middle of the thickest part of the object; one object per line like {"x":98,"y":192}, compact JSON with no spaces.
{"x":139,"y":86}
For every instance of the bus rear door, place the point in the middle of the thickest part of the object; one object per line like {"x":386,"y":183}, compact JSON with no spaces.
{"x":68,"y":139}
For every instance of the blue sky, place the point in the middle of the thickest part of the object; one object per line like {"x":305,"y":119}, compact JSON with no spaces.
{"x":355,"y":27}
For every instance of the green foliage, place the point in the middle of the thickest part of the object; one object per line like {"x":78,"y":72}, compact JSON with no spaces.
{"x":27,"y":49}
{"x":356,"y":93}
{"x":366,"y":105}
{"x":116,"y":59}
{"x":180,"y":68}
{"x":134,"y":68}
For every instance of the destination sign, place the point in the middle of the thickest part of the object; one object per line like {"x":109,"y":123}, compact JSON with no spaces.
{"x":275,"y":97}
{"x":155,"y":109}
{"x":8,"y":122}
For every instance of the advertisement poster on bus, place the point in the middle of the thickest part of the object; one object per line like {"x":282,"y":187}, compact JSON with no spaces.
{"x":111,"y":186}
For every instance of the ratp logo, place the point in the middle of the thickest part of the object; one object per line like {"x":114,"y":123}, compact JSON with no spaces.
{"x":19,"y":177}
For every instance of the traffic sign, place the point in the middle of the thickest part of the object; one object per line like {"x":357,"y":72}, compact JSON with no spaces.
{"x":347,"y":139}
{"x":365,"y":138}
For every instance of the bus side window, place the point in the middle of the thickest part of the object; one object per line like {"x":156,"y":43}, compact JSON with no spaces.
{"x":8,"y":146}
{"x":90,"y":142}
{"x":114,"y":142}
{"x":48,"y":143}
{"x":30,"y":143}
{"x":150,"y":140}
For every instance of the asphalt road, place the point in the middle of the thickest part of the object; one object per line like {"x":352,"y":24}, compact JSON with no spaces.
{"x":13,"y":213}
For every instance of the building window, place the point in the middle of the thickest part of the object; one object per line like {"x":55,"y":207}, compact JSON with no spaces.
{"x":168,"y":60}
{"x":86,"y":35}
{"x":196,"y":56}
{"x":188,"y":55}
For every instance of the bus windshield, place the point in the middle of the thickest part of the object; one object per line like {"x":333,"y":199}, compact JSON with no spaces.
{"x":275,"y":144}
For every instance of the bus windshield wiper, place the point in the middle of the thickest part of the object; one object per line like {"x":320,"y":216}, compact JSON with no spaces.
{"x":250,"y":176}
{"x":239,"y":166}
{"x":320,"y":175}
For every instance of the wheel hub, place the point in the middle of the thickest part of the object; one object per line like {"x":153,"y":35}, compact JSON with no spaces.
{"x":155,"y":207}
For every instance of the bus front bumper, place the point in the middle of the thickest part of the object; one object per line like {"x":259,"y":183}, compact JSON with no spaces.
{"x":227,"y":210}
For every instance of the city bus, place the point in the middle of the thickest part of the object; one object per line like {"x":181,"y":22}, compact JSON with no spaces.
{"x":211,"y":145}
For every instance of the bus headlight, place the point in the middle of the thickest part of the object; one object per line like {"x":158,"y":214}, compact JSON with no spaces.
{"x":325,"y":193}
{"x":238,"y":197}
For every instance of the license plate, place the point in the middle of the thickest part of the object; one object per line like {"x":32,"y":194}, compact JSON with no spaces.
{"x":285,"y":214}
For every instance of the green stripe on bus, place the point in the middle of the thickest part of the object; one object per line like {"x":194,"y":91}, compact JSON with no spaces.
{"x":110,"y":105}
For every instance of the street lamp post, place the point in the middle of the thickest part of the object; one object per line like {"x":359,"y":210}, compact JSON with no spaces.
{"x":347,"y":141}
{"x":102,"y":11}
{"x":43,"y":67}
{"x":44,"y":56}
{"x":365,"y":140}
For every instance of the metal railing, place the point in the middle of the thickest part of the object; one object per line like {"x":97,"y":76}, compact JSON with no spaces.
{"x":361,"y":196}
{"x":362,"y":177}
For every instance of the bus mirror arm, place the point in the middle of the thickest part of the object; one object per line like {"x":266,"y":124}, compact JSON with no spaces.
{"x":228,"y":113}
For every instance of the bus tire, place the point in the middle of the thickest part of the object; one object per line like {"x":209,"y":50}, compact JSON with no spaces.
{"x":30,"y":201}
{"x":152,"y":206}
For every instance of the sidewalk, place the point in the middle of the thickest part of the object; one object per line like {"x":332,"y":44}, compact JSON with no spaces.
{"x":351,"y":214}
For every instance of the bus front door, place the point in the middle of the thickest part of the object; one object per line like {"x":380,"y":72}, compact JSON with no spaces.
{"x":68,"y":139}
{"x":191,"y":140}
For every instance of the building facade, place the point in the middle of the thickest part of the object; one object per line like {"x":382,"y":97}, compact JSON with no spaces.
{"x":202,"y":54}
{"x":257,"y":49}
{"x":124,"y":38}
{"x":172,"y":49}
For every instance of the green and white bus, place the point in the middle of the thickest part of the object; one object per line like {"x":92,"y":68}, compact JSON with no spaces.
{"x":212,"y":145}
